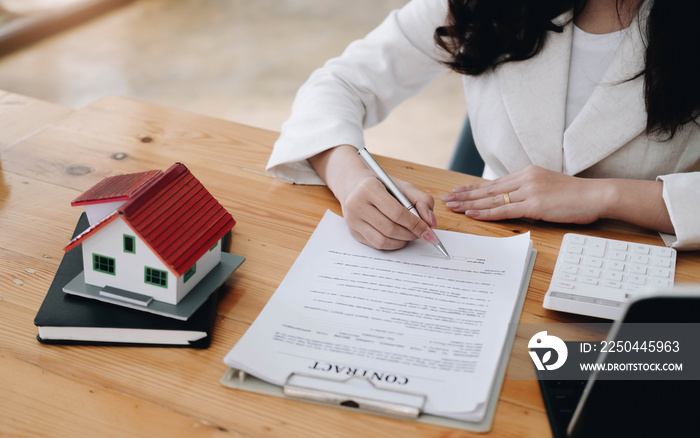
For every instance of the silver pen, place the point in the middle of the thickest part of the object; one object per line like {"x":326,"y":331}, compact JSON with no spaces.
{"x":394,"y":190}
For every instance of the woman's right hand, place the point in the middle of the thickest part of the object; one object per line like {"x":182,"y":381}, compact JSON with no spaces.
{"x":372,"y":215}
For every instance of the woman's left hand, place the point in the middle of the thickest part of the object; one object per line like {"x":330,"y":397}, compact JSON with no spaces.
{"x":533,"y":192}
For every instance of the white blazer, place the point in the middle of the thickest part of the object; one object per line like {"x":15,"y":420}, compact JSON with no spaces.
{"x":517,"y":111}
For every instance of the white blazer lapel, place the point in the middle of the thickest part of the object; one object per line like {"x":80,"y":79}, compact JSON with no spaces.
{"x":614,"y":114}
{"x":534,"y":95}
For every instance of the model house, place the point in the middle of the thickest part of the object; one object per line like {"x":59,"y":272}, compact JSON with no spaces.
{"x":152,"y":236}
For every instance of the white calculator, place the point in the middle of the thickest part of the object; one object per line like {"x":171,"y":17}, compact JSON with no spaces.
{"x":596,"y":277}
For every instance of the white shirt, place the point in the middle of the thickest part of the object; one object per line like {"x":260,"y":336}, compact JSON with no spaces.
{"x":591,"y":55}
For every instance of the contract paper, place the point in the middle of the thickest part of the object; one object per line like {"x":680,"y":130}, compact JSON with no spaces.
{"x":408,"y":320}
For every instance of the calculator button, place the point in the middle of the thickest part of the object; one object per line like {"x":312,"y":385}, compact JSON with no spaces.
{"x":596,"y":248}
{"x":596,"y":263}
{"x":612,"y":284}
{"x":660,"y":283}
{"x":619,"y":246}
{"x":565,"y":284}
{"x":616,"y":266}
{"x":662,"y":251}
{"x":574,"y":249}
{"x":577,"y":239}
{"x":660,"y":272}
{"x":591,"y":272}
{"x":618,"y":255}
{"x":570,"y":269}
{"x":642,"y":259}
{"x":638,"y":269}
{"x":663,"y":262}
{"x":640,"y":249}
{"x":573,"y":259}
{"x":637,"y":279}
{"x":612,"y":275}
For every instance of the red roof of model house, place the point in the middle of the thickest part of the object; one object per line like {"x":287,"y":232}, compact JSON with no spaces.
{"x":115,"y":188}
{"x":171,"y":211}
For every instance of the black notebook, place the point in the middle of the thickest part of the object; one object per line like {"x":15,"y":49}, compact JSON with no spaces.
{"x":68,"y":319}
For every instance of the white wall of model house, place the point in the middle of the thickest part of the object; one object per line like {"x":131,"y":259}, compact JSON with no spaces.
{"x":130,"y":268}
{"x":98,"y":211}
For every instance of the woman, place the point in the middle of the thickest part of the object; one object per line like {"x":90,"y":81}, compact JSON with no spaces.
{"x":602,"y":128}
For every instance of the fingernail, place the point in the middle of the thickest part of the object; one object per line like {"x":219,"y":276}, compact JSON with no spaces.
{"x":430,"y":237}
{"x":432,"y":219}
{"x":449,"y":197}
{"x":460,"y":189}
{"x":452,"y":204}
{"x":472,"y":213}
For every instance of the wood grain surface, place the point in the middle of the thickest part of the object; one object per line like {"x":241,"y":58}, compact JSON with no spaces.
{"x":50,"y":154}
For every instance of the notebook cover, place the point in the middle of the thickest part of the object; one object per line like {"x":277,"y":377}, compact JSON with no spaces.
{"x":63,"y":310}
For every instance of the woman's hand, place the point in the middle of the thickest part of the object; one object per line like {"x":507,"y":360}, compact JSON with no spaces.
{"x":543,"y":194}
{"x":372,"y":215}
{"x":534,"y":193}
{"x":378,"y":220}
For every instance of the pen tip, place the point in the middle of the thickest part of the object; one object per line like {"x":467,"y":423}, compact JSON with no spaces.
{"x":442,"y":249}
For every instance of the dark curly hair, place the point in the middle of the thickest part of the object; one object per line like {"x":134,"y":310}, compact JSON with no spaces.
{"x":482,"y":34}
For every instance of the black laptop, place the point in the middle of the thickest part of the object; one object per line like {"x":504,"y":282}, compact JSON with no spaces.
{"x":648,"y":407}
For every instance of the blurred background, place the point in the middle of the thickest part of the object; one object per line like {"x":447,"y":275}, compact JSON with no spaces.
{"x":239,"y":60}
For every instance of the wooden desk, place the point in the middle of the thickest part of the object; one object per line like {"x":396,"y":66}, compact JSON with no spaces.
{"x":21,"y":116}
{"x":123,"y":391}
